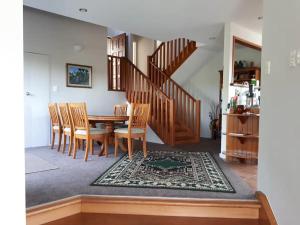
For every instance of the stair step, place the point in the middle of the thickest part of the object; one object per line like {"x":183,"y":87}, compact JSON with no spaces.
{"x":182,"y":134}
{"x":181,"y":129}
{"x":184,"y":138}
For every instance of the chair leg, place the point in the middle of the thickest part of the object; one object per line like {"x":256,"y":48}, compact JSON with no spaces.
{"x":106,"y":145}
{"x":92,"y":147}
{"x":145,"y":147}
{"x":53,"y":139}
{"x":64,"y":143}
{"x":70,"y":145}
{"x":75,"y":147}
{"x":116,"y":145}
{"x":129,"y":148}
{"x":82,"y":144}
{"x":78,"y":143}
{"x":59,"y":140}
{"x":86,"y":154}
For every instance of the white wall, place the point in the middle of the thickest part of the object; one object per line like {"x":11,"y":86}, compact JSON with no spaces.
{"x":279,"y":150}
{"x":248,"y":54}
{"x":232,"y":29}
{"x":204,"y":85}
{"x":145,"y":47}
{"x":55,"y":36}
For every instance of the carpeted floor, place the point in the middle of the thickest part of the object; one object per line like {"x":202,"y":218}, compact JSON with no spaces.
{"x":34,"y":164}
{"x":75,"y":176}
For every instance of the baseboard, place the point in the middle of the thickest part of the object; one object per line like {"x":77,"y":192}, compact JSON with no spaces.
{"x":266,"y":216}
{"x":147,"y":206}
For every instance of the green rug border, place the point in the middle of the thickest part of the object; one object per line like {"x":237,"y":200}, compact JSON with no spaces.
{"x":168,"y":188}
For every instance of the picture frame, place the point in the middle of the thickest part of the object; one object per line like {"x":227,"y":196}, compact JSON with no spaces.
{"x":78,"y":75}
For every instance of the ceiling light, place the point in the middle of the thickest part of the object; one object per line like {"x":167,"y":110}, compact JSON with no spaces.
{"x":212,"y":38}
{"x":260,"y":17}
{"x":83,"y":10}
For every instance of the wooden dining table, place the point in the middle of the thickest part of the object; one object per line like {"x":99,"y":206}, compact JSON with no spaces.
{"x":109,"y":122}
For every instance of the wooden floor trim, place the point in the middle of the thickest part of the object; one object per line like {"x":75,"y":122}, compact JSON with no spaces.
{"x":209,"y":208}
{"x":53,"y":211}
{"x":266,"y":215}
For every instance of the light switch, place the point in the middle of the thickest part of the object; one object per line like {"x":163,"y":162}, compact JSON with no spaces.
{"x":298,"y":57}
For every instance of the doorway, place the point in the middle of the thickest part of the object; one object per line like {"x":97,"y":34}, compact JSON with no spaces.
{"x":36,"y":99}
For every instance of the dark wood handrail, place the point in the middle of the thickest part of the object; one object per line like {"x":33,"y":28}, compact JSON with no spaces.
{"x":158,"y":48}
{"x":171,"y":54}
{"x":173,"y":81}
{"x":141,"y":73}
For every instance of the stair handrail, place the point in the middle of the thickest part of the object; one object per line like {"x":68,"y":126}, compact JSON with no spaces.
{"x":158,"y":48}
{"x":170,"y":54}
{"x":166,"y":77}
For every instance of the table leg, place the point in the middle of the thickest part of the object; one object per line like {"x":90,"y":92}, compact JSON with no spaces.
{"x":109,"y":127}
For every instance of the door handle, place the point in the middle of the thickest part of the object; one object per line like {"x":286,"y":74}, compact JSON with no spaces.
{"x":28,"y":93}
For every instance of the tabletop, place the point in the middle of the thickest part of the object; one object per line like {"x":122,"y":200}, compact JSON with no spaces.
{"x":108,"y":118}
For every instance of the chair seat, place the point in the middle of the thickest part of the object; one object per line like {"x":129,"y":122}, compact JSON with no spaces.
{"x":133,"y":131}
{"x":56,"y":127}
{"x":93,"y":131}
{"x":67,"y":130}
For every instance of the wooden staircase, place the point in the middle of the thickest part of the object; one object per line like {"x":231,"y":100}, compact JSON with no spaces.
{"x":175,"y":114}
{"x":166,"y":59}
{"x":170,"y":55}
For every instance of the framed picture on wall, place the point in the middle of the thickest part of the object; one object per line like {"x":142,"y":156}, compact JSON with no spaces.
{"x":78,"y":75}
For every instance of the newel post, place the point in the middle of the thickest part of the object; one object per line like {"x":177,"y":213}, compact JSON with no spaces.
{"x":172,"y":122}
{"x":198,"y":119}
{"x":148,"y":66}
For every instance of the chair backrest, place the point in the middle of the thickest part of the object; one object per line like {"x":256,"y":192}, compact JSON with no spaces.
{"x":55,"y":120}
{"x":65,"y":115}
{"x":120,"y":110}
{"x":139,"y":116}
{"x":79,"y":117}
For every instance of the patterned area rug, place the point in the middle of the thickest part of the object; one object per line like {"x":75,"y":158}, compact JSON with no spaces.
{"x":174,"y":170}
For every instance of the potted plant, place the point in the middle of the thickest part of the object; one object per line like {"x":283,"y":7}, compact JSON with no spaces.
{"x":214,"y":124}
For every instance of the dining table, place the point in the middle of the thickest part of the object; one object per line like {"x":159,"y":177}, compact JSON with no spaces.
{"x":109,"y":122}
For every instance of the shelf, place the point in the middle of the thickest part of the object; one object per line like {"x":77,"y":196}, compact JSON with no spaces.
{"x":243,"y":86}
{"x":239,"y":85}
{"x":242,"y":135}
{"x":246,"y":69}
{"x":242,"y":154}
{"x":243,"y":80}
{"x":242,"y":114}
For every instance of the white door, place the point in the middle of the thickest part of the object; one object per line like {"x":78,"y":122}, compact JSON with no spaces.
{"x":36,"y":99}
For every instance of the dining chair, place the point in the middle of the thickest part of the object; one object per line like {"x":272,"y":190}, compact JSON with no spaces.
{"x":137,"y":127}
{"x":83,"y":131}
{"x":120,"y":110}
{"x":55,"y":124}
{"x":67,"y":126}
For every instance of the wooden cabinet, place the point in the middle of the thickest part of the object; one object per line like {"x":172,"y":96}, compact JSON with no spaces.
{"x":242,"y":135}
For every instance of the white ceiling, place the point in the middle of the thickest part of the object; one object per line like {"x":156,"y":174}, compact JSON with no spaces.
{"x":162,"y":19}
